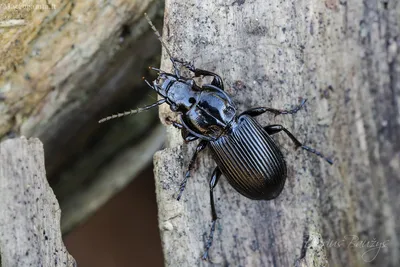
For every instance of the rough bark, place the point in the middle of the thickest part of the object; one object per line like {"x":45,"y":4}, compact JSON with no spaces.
{"x":30,"y":232}
{"x":343,"y":56}
{"x":63,"y":68}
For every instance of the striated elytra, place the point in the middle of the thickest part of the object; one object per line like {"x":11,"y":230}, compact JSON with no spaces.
{"x":244,"y":151}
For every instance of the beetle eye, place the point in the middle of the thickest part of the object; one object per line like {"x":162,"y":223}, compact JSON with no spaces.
{"x":192,"y":100}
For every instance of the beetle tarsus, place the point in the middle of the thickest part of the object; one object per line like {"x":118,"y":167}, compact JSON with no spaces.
{"x":312,"y":150}
{"x":182,"y":186}
{"x":209,"y":241}
{"x":276,"y":128}
{"x":294,"y":110}
{"x":253,"y":112}
{"x":213,"y":182}
{"x":201,"y":146}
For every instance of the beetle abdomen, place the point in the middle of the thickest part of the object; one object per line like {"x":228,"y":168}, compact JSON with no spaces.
{"x":250,"y":160}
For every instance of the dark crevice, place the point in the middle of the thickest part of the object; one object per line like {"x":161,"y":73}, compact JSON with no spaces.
{"x":125,"y":31}
{"x":304,"y":246}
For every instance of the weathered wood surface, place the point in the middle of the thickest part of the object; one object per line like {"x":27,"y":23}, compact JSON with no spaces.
{"x":343,"y":56}
{"x":67,"y":65}
{"x":30,"y":232}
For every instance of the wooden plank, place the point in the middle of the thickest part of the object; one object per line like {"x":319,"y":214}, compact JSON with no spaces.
{"x":342,"y":56}
{"x":30,"y":215}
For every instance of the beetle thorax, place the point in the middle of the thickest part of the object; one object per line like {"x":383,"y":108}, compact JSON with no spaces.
{"x":212,"y":113}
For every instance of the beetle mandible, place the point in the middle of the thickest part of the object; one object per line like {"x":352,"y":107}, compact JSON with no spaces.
{"x":244,"y":151}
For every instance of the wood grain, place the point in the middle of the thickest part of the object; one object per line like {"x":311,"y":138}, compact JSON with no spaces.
{"x":30,"y":232}
{"x":343,"y":56}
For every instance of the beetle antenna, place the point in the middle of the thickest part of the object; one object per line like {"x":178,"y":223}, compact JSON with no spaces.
{"x":163,"y":44}
{"x":132,"y":111}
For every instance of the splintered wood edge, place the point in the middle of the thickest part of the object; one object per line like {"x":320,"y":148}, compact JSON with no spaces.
{"x":30,"y":219}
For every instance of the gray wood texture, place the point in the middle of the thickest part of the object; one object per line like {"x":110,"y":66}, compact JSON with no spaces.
{"x":61,"y":71}
{"x":30,"y":232}
{"x":343,"y":56}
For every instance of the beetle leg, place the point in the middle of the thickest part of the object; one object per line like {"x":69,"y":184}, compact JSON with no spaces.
{"x":177,"y":125}
{"x":187,"y":64}
{"x":213,"y":182}
{"x":276,"y":128}
{"x":187,"y":136}
{"x":217,"y":81}
{"x":260,"y":110}
{"x":200,"y":147}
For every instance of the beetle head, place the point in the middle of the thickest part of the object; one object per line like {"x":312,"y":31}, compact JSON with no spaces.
{"x":179,"y":93}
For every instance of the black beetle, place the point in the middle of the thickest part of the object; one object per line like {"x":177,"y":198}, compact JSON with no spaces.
{"x":243,"y":149}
